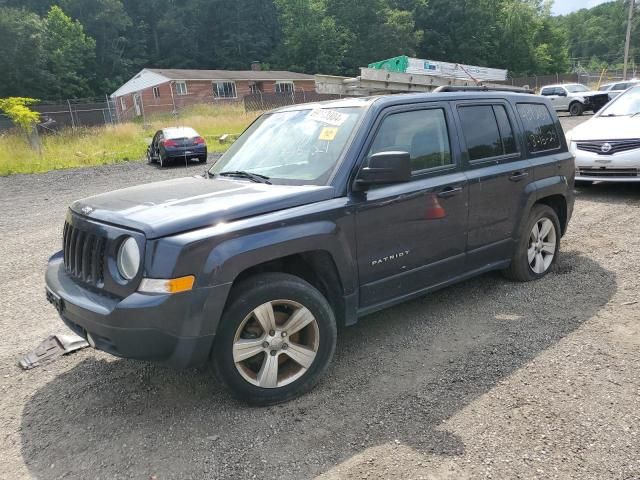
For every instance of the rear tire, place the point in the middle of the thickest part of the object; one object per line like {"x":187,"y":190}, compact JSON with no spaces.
{"x":576,"y":109}
{"x":538,"y":245}
{"x":163,"y":161}
{"x":260,"y":334}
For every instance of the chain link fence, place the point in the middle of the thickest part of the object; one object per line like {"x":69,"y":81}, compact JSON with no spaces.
{"x":77,"y":113}
{"x":268,"y":101}
{"x":592,"y":79}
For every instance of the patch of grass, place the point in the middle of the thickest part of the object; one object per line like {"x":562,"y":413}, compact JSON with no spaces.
{"x":117,"y":143}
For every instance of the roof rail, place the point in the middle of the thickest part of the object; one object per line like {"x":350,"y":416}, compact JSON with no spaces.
{"x":483,"y":88}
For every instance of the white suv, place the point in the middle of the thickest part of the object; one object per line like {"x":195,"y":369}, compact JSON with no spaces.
{"x":574,"y":98}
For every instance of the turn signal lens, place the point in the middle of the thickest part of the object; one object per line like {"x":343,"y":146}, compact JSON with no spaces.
{"x":172,"y":285}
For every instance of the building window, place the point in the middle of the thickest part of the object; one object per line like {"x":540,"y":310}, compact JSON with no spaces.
{"x":181,"y":88}
{"x":156,"y":92}
{"x":255,"y":87}
{"x":123,"y":103}
{"x":285,"y":87}
{"x":224,"y":89}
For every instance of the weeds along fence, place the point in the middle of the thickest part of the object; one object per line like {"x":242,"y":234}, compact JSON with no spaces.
{"x":81,"y":113}
{"x":73,"y":114}
{"x":146,"y":109}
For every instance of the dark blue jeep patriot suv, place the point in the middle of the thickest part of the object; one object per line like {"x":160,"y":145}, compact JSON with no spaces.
{"x":317,"y":215}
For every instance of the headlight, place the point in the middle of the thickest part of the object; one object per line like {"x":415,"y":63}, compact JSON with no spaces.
{"x":128,"y":259}
{"x":573,"y":148}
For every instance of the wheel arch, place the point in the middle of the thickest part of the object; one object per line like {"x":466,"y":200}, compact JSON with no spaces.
{"x":316,"y":267}
{"x":558,"y":203}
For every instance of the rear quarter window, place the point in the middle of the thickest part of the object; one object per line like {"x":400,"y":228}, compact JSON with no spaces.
{"x":539,"y":127}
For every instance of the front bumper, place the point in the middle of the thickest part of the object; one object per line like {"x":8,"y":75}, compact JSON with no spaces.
{"x":176,"y":330}
{"x":620,"y":167}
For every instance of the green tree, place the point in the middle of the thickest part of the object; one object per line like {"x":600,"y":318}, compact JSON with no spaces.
{"x":18,"y":111}
{"x":374,"y":30}
{"x":461,"y":31}
{"x":312,"y":40}
{"x":118,"y":48}
{"x":70,"y":54}
{"x":22,"y":38}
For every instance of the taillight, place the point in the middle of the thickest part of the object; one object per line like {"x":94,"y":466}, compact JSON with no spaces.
{"x":169,"y":143}
{"x":198,"y":141}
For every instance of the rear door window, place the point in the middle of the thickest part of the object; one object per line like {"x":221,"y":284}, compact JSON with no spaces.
{"x":539,"y":127}
{"x":487,"y":131}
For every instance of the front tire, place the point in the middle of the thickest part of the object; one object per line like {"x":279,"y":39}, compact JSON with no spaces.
{"x":275,"y":340}
{"x":576,"y":109}
{"x":538,"y":246}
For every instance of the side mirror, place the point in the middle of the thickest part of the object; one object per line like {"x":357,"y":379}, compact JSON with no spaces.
{"x":384,"y":168}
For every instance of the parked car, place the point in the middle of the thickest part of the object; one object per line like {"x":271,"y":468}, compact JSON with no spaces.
{"x":616,"y":88}
{"x":317,"y":215}
{"x":574,"y":98}
{"x":607,"y":146}
{"x":176,"y":143}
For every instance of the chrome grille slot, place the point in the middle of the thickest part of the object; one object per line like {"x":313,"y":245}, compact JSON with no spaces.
{"x":607,"y":172}
{"x":616,"y":146}
{"x":84,"y":255}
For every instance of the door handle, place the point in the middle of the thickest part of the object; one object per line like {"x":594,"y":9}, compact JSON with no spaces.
{"x":449,"y":192}
{"x":516,"y":177}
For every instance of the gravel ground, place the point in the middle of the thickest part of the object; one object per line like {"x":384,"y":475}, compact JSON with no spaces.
{"x":486,"y":379}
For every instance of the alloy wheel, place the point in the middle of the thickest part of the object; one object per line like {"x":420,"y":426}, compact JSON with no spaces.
{"x":542,"y":246}
{"x":276,"y":344}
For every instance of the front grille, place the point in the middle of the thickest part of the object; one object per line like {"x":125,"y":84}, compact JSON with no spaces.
{"x":84,"y":255}
{"x":617,"y":146}
{"x":607,"y":172}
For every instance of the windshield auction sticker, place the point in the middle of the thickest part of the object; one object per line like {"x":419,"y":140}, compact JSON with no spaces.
{"x":330,"y":117}
{"x":328,"y":133}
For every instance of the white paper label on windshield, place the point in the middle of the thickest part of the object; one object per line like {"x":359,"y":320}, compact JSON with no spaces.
{"x":330,"y":117}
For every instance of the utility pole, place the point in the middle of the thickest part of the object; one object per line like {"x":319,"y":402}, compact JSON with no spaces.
{"x":627,"y":44}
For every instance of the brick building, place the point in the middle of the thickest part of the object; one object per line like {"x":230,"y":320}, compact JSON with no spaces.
{"x":166,"y":90}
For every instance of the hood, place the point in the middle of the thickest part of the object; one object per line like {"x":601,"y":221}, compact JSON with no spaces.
{"x":607,"y":128}
{"x":165,"y":208}
{"x":590,"y":93}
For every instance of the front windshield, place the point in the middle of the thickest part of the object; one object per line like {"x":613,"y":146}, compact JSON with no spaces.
{"x":576,"y":88}
{"x":626,"y":104}
{"x":299,"y":147}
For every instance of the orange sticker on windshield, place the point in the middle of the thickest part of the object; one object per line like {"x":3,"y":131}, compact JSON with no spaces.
{"x":328,"y":133}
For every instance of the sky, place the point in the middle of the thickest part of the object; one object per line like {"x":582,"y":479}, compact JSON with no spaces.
{"x":562,"y":7}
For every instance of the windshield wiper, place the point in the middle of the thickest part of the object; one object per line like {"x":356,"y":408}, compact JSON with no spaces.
{"x":254,"y":177}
